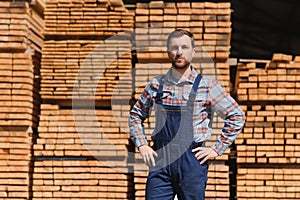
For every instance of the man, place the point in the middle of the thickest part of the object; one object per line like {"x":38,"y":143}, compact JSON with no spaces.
{"x":184,"y":102}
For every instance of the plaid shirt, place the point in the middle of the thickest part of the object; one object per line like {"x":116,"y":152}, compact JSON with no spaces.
{"x":210,"y":97}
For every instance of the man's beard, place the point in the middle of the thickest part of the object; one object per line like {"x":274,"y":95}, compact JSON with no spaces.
{"x":183,"y":65}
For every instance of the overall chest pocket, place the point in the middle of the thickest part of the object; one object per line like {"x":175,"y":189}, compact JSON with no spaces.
{"x":167,"y":94}
{"x":165,"y":97}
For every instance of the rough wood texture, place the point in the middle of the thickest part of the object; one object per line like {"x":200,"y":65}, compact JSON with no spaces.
{"x":267,"y":149}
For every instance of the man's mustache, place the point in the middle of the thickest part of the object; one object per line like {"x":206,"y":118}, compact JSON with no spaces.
{"x":179,"y":57}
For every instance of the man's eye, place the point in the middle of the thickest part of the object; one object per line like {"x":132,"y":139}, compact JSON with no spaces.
{"x":185,"y":47}
{"x":173,"y":48}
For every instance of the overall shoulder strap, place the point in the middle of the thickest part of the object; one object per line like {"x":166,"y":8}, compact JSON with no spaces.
{"x":160,"y":91}
{"x":193,"y":92}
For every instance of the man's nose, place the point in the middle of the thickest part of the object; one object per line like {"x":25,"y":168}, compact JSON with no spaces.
{"x":179,"y":51}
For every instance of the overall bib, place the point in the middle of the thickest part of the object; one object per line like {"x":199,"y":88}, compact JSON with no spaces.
{"x":177,"y":170}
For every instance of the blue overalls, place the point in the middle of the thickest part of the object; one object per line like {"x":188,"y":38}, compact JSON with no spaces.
{"x":177,"y":170}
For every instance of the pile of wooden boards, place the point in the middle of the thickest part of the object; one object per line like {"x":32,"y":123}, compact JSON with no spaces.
{"x":87,"y":49}
{"x":268,"y":153}
{"x":84,"y":132}
{"x":81,"y":151}
{"x":21,"y":42}
{"x":67,"y":87}
{"x":86,"y":69}
{"x":274,"y":80}
{"x":86,"y":18}
{"x":21,"y":25}
{"x":79,"y":155}
{"x":20,"y":88}
{"x":268,"y":183}
{"x":20,"y":52}
{"x":78,"y":179}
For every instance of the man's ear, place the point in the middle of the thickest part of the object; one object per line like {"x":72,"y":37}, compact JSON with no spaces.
{"x":194,"y":51}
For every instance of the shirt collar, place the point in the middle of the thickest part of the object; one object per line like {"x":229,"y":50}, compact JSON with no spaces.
{"x":190,"y":79}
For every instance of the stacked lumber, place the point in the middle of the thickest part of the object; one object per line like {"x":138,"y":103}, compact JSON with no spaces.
{"x":81,"y":179}
{"x":86,"y":51}
{"x":15,"y":158}
{"x":103,"y":18}
{"x":84,"y":139}
{"x":274,"y":80}
{"x":21,"y":42}
{"x":267,"y":148}
{"x":145,"y":72}
{"x":270,"y":135}
{"x":217,"y":70}
{"x":82,"y":149}
{"x":21,"y":26}
{"x":86,"y":69}
{"x":218,"y":185}
{"x":211,"y":24}
{"x":268,"y":183}
{"x":20,"y":98}
{"x":140,"y":178}
{"x":67,"y":132}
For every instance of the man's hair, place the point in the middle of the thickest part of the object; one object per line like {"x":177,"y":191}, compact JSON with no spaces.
{"x":178,"y":33}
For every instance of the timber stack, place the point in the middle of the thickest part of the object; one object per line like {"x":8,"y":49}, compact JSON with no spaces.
{"x":81,"y":152}
{"x":268,"y":148}
{"x":70,"y":71}
{"x":21,"y":45}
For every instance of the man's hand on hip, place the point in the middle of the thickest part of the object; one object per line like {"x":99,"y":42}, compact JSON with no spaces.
{"x":204,"y":153}
{"x":148,"y":155}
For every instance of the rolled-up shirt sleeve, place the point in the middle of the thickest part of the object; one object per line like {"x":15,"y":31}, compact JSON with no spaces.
{"x":227,"y":108}
{"x":139,"y":112}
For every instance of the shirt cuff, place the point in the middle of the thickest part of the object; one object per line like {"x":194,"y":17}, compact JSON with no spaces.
{"x":139,"y":140}
{"x":220,"y":147}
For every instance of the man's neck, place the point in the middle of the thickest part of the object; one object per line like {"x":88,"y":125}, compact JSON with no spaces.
{"x":180,"y":74}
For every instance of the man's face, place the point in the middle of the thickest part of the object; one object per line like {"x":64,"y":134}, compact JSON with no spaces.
{"x":180,"y":51}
